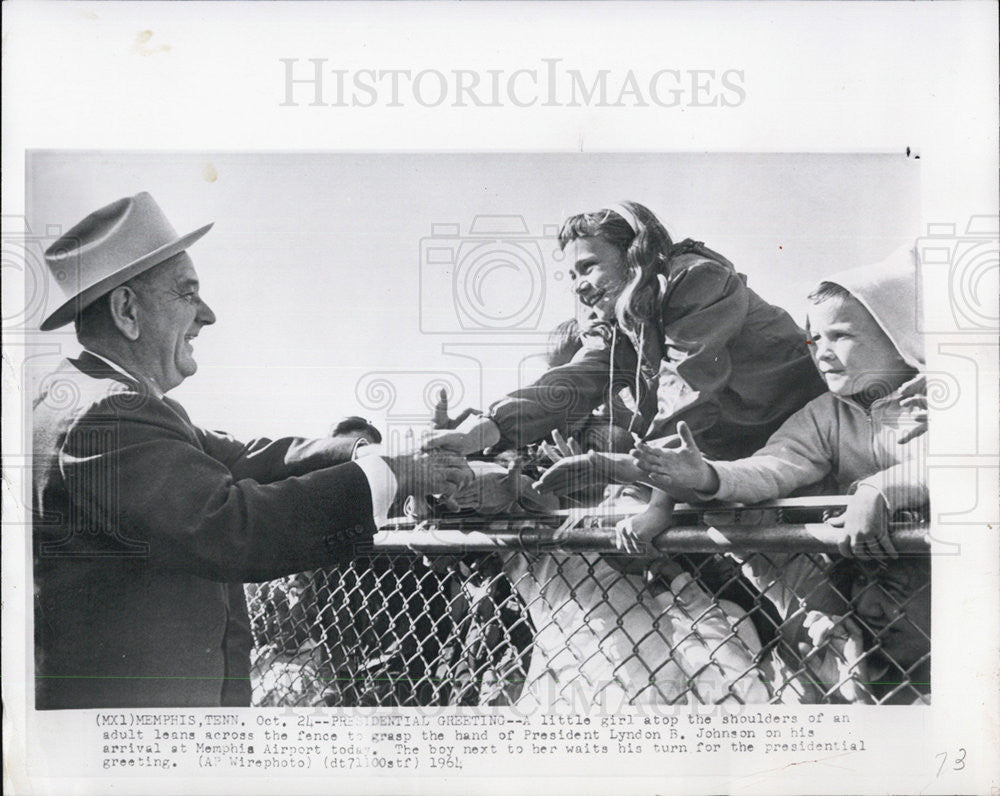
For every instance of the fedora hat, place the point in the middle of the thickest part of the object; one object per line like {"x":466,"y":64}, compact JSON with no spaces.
{"x":109,"y":247}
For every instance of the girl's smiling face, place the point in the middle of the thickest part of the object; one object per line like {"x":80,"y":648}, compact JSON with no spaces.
{"x":597,"y":269}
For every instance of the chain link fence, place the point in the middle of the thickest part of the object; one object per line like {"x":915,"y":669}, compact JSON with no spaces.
{"x":735,"y":606}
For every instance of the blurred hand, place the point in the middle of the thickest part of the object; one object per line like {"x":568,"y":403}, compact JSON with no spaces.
{"x":433,"y":473}
{"x":577,"y":472}
{"x":441,"y":421}
{"x":560,"y":448}
{"x":678,"y":465}
{"x":865,"y":526}
{"x":475,"y":434}
{"x":913,"y":399}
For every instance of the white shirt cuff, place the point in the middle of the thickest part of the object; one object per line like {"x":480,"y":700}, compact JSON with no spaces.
{"x":381,"y":481}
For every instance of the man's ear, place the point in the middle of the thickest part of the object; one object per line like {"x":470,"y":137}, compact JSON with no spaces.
{"x":124,"y":305}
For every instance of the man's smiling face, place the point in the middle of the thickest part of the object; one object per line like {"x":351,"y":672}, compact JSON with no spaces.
{"x":172,"y":315}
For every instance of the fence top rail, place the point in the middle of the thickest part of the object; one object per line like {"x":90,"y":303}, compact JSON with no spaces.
{"x":786,"y":526}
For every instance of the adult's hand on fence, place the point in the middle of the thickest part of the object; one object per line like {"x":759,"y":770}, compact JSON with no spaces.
{"x":913,"y":399}
{"x":441,"y":420}
{"x":574,"y":473}
{"x":836,"y":655}
{"x":679,"y":464}
{"x":429,"y":473}
{"x":864,"y":526}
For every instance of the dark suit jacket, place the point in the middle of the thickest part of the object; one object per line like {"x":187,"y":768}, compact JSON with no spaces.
{"x":144,"y":528}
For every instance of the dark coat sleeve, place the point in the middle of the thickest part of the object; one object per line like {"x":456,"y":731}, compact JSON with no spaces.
{"x":142,"y":473}
{"x":266,"y":461}
{"x":565,"y":395}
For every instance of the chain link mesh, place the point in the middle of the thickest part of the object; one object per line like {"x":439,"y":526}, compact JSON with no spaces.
{"x":565,"y":625}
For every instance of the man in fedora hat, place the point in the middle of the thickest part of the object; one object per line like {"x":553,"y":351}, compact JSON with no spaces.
{"x":146,"y":526}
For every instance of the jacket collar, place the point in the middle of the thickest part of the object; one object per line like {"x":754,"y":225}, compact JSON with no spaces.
{"x":894,"y":396}
{"x":98,"y":367}
{"x":101,"y":367}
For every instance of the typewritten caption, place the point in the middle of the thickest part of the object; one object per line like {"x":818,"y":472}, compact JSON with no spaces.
{"x":318,"y":741}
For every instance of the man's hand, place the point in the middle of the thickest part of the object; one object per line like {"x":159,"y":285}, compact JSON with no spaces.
{"x":475,"y":434}
{"x":433,"y":473}
{"x":441,"y":421}
{"x":865,"y":525}
{"x":575,"y":473}
{"x":679,"y":464}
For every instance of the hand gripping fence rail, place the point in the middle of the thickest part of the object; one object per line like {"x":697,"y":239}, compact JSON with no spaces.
{"x":736,"y":605}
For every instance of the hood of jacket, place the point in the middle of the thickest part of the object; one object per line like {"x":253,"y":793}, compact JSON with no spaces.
{"x":888,"y":290}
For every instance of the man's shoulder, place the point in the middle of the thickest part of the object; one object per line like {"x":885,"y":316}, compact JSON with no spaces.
{"x":72,"y":387}
{"x":78,"y":389}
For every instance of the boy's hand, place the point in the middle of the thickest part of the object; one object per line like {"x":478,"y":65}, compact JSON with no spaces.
{"x":865,"y":525}
{"x":913,"y":399}
{"x":680,"y":464}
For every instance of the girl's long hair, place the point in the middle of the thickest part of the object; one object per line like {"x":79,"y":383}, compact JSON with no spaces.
{"x":645,"y":253}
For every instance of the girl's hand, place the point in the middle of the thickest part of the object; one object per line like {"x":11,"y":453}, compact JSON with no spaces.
{"x":475,"y":434}
{"x":441,"y":419}
{"x":865,"y":526}
{"x":580,"y":471}
{"x":679,"y":464}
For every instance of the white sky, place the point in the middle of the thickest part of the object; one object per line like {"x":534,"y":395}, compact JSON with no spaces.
{"x":328,"y":285}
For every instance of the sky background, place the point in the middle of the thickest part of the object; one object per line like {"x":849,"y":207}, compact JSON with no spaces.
{"x":361,"y":283}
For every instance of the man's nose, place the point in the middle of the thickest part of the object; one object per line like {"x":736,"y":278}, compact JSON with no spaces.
{"x":205,"y":315}
{"x":581,"y":286}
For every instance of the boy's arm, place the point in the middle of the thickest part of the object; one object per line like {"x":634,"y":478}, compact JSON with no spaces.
{"x":797,"y":454}
{"x":902,"y":486}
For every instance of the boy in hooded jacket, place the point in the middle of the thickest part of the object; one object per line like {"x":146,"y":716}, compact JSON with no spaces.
{"x":865,"y":433}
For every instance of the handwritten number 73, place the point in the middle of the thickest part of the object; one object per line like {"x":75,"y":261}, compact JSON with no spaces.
{"x":958,"y":763}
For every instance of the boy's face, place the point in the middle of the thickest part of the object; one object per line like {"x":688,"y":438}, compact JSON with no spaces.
{"x":851,"y":350}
